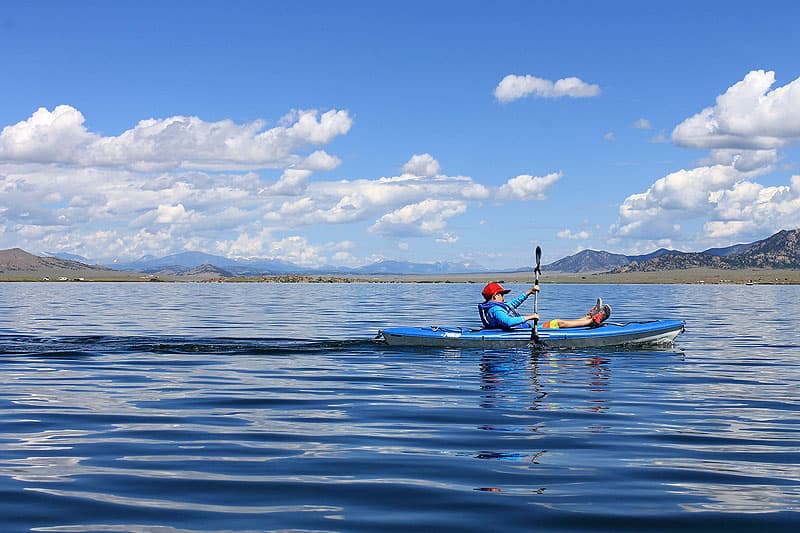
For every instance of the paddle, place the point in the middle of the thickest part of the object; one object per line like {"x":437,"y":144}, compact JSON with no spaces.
{"x":536,"y":271}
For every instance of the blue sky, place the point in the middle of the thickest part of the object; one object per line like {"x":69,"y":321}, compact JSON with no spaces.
{"x":347,"y":132}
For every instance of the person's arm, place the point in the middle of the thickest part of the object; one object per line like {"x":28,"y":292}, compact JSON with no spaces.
{"x":507,"y":320}
{"x":518,"y":300}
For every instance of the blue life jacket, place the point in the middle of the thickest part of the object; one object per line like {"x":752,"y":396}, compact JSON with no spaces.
{"x":489,"y":321}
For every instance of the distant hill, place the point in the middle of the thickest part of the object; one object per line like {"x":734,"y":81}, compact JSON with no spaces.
{"x":17,"y":263}
{"x":778,"y":251}
{"x":70,"y":257}
{"x":587,"y":261}
{"x":206,"y":271}
{"x":590,"y":261}
{"x":730,"y":250}
{"x":653,"y":255}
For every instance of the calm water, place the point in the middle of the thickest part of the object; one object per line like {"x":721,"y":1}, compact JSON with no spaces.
{"x":253,"y":407}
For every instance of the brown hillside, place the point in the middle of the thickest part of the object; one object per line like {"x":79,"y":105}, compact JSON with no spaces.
{"x":17,"y":263}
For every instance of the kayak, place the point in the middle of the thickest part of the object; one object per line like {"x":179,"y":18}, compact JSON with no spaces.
{"x":653,"y":332}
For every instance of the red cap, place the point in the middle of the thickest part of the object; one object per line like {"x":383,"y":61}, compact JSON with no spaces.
{"x":493,"y":288}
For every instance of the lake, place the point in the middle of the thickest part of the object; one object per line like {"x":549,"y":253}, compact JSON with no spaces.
{"x":258,"y":407}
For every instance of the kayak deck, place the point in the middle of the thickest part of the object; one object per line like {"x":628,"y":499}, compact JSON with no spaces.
{"x":654,"y":332}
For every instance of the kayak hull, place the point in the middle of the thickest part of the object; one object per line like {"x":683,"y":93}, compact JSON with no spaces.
{"x":655,"y":332}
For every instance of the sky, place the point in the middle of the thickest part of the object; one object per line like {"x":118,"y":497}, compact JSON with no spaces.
{"x":347,"y":132}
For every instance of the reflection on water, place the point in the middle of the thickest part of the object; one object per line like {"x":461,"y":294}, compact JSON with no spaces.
{"x":183,"y":407}
{"x":528,"y":378}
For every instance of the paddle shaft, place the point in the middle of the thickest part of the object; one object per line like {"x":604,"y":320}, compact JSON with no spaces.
{"x":536,"y":272}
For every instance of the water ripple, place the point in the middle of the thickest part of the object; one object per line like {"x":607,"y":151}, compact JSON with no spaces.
{"x":238,"y":421}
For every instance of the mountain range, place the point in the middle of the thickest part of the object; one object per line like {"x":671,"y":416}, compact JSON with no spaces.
{"x":592,"y":261}
{"x":777,"y":251}
{"x":781,"y":250}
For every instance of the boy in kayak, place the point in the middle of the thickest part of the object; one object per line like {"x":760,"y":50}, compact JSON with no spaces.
{"x":496,"y":313}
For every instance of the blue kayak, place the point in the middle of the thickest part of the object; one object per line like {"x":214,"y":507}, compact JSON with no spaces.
{"x":654,"y":332}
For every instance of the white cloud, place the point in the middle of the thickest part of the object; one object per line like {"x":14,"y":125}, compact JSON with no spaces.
{"x":743,"y":131}
{"x":175,"y":142}
{"x":568,"y":234}
{"x":747,"y":116}
{"x":514,"y":87}
{"x":296,"y":249}
{"x":752,"y":209}
{"x":356,"y":200}
{"x":424,"y":218}
{"x":658,"y":212}
{"x":66,"y":188}
{"x":526,"y":187}
{"x":641,"y":124}
{"x":46,"y":136}
{"x":728,"y":206}
{"x":292,"y":182}
{"x":106,"y":212}
{"x":745,"y":160}
{"x":609,"y":136}
{"x":423,"y":165}
{"x":448,"y":238}
{"x":171,"y":214}
{"x":245,"y":244}
{"x":320,"y":160}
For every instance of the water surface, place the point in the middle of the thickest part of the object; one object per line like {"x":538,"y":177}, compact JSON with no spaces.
{"x":256,"y":407}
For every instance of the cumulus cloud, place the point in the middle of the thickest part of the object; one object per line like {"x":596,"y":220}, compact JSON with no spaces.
{"x":729,"y":206}
{"x":745,"y":160}
{"x":132,"y":195}
{"x":514,"y":87}
{"x":659,"y":210}
{"x":743,"y":132}
{"x":344,"y":201}
{"x":641,"y":124}
{"x":103,"y":212}
{"x":424,"y":218}
{"x":292,"y":182}
{"x":527,"y":187}
{"x":748,"y":116}
{"x":46,"y":136}
{"x":171,"y":214}
{"x":320,"y":160}
{"x":750,"y":208}
{"x":423,"y":165}
{"x":60,"y":137}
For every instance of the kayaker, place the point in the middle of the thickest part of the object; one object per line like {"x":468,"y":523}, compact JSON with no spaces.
{"x":496,"y":313}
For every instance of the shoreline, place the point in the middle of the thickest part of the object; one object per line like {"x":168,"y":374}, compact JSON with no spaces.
{"x":667,"y":277}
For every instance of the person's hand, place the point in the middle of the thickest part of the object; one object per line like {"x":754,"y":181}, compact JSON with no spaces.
{"x":533,"y":289}
{"x":534,"y":316}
